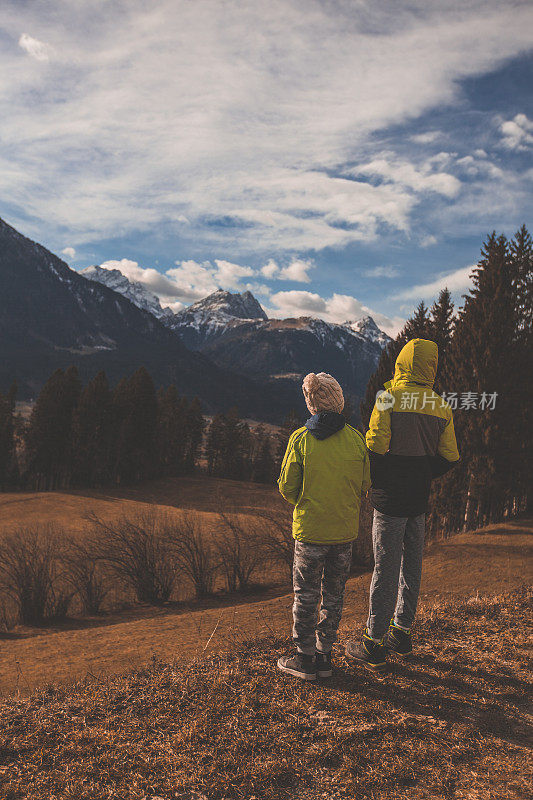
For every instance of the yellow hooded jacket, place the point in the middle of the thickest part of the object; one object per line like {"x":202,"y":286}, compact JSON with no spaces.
{"x":411,"y":438}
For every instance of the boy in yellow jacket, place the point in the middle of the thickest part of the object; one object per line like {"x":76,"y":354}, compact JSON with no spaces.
{"x":411,"y":441}
{"x":324,"y":472}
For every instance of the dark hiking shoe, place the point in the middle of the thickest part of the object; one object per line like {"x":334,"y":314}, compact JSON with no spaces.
{"x":398,"y":641}
{"x":367,"y":652}
{"x":300,"y":665}
{"x":324,"y":668}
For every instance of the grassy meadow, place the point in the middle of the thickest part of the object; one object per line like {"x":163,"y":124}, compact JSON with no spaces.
{"x":128,"y":634}
{"x":450,"y":723}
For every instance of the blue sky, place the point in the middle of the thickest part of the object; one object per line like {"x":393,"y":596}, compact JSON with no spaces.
{"x":337,"y":158}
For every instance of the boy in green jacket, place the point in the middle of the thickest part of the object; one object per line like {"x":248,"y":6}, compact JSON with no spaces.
{"x":324,"y":472}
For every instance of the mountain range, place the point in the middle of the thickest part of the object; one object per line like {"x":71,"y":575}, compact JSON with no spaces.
{"x":223,"y":348}
{"x":233,"y":330}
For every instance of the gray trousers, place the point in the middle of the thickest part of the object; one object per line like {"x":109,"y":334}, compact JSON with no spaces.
{"x":398,"y":547}
{"x":319,"y":572}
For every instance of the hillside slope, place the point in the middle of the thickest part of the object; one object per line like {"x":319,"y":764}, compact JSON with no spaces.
{"x":492,"y":560}
{"x":453,"y":722}
{"x":51,"y":317}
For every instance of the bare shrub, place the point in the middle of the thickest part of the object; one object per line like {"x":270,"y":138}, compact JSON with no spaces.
{"x":32,"y":575}
{"x":86,"y":574}
{"x":241,"y":551}
{"x":8,"y":613}
{"x":278,"y":542}
{"x":194,"y":552}
{"x":137,"y":550}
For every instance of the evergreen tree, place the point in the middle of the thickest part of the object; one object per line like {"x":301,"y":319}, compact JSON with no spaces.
{"x":521,"y":366}
{"x":215,"y":445}
{"x":229,"y":446}
{"x":263,"y":466}
{"x":92,"y":434}
{"x":7,"y":438}
{"x":135,"y":413}
{"x":291,"y":423}
{"x":195,"y":428}
{"x":419,"y":325}
{"x":521,"y":260}
{"x":441,"y":330}
{"x":50,"y":430}
{"x":171,"y":432}
{"x":482,"y":355}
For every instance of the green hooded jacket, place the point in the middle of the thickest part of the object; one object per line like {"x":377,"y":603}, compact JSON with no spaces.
{"x":323,"y":474}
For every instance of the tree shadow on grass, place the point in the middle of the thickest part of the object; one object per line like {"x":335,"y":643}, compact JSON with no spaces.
{"x":412,"y":690}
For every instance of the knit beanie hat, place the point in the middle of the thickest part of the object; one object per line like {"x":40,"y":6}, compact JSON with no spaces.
{"x":322,"y":393}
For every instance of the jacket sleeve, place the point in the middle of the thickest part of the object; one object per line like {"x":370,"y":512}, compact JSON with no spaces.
{"x":290,"y":479}
{"x":447,"y":447}
{"x":447,"y":452}
{"x":379,"y":433}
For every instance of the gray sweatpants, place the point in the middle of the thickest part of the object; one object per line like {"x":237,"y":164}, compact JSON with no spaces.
{"x":318,"y":570}
{"x":398,"y":547}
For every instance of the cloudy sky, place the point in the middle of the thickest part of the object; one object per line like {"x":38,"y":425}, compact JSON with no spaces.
{"x":334,"y":156}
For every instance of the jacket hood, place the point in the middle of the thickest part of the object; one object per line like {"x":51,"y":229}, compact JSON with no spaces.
{"x":416,"y":363}
{"x":325,"y":424}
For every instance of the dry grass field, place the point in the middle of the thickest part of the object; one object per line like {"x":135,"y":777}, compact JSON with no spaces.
{"x":452,"y":723}
{"x":493,"y":560}
{"x":204,"y":495}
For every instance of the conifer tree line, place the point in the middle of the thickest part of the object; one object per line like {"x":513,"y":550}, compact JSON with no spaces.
{"x":234,"y":450}
{"x":484,"y":348}
{"x":95,"y":436}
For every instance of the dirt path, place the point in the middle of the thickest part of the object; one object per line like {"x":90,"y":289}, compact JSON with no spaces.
{"x":490,"y":561}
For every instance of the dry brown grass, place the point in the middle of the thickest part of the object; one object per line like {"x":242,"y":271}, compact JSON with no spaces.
{"x":451,"y":723}
{"x":201,"y":494}
{"x":493,"y":560}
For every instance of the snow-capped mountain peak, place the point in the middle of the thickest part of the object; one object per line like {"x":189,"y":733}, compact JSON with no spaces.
{"x":133,"y":290}
{"x":238,"y":306}
{"x":368,"y":329}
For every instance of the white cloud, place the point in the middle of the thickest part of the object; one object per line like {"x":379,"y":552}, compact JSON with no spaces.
{"x":296,"y":271}
{"x":458,"y":281}
{"x":270,"y":270}
{"x":34,"y":48}
{"x":478,"y":166}
{"x":428,"y":241}
{"x":229,"y":275}
{"x":381,"y":272}
{"x":259,"y":107}
{"x":425,"y":138}
{"x":188,"y":281}
{"x":517,"y":133}
{"x":298,"y":302}
{"x":421,"y":179}
{"x":337,"y":308}
{"x":69,"y":252}
{"x":150,"y":278}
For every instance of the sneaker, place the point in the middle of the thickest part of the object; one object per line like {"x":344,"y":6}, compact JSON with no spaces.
{"x":300,"y":665}
{"x":398,"y":641}
{"x":368,"y":652}
{"x":324,"y":668}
